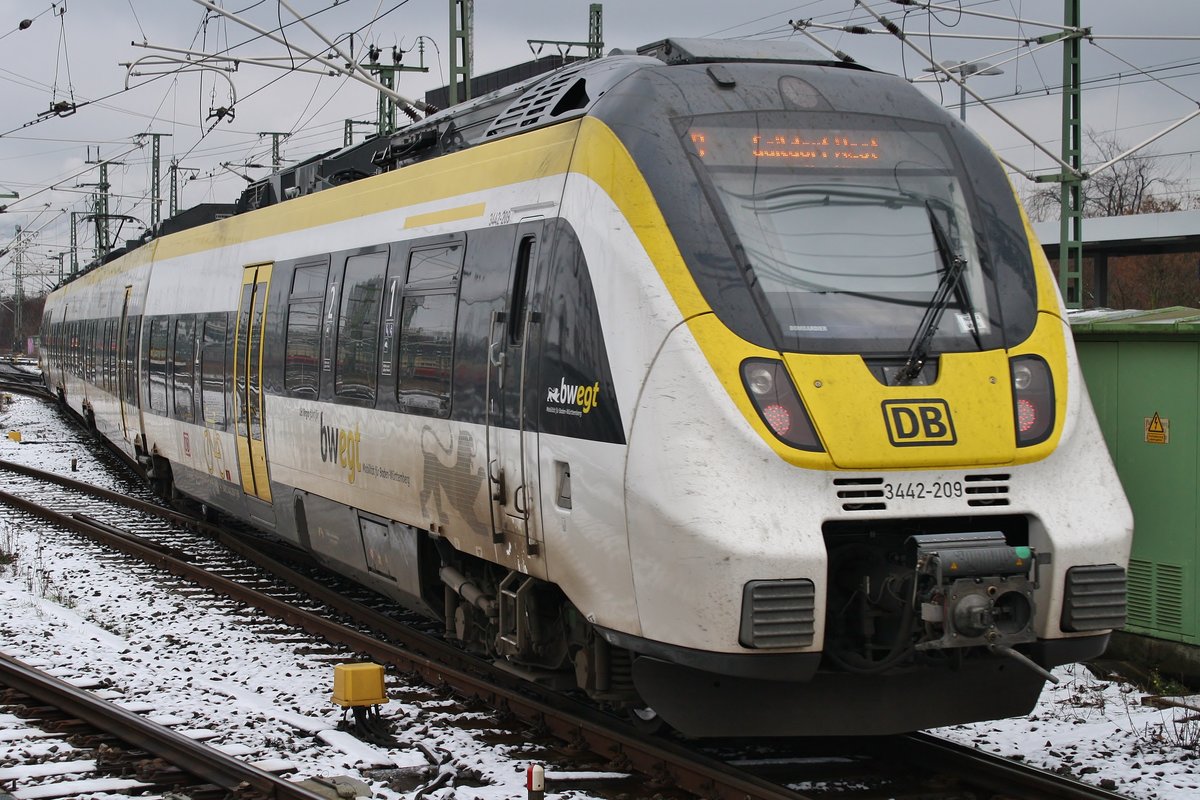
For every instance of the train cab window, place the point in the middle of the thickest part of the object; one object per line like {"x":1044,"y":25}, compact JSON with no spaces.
{"x":183,"y":369}
{"x":358,"y":326}
{"x":156,"y":364}
{"x":425,"y":358}
{"x":302,"y":348}
{"x":212,"y":370}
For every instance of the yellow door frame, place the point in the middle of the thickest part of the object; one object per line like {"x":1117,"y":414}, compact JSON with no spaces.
{"x":249,"y":402}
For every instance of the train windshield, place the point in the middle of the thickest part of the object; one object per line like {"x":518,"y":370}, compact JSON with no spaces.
{"x":850,"y":226}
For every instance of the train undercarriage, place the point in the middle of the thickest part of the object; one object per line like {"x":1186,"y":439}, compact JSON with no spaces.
{"x":907,"y":603}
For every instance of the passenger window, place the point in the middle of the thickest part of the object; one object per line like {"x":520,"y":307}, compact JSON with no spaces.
{"x":89,"y":352}
{"x":108,"y":351}
{"x":212,"y":370}
{"x":426,"y":353}
{"x":303,"y":351}
{"x":302,"y":347}
{"x":183,"y":369}
{"x":310,"y":281}
{"x":358,"y":326}
{"x":156,"y":371}
{"x":130,"y":389}
{"x":435,"y":265}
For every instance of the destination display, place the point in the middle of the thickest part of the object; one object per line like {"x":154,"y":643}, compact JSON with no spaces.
{"x":823,"y":148}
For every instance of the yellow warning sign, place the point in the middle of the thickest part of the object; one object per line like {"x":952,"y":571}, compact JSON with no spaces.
{"x":1158,"y":429}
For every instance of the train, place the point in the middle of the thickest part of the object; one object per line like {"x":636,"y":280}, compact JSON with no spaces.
{"x":721,"y":382}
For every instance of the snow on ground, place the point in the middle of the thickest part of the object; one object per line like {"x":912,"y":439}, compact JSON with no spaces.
{"x":1102,"y":732}
{"x":264,"y":694}
{"x":203,"y":663}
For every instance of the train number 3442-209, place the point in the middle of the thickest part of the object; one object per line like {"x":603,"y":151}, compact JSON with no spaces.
{"x":922,"y":491}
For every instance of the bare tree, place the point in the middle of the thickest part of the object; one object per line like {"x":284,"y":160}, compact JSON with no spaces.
{"x":1138,"y":184}
{"x":1154,"y":281}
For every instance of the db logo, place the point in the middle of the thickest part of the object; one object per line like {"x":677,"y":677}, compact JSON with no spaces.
{"x":914,"y":423}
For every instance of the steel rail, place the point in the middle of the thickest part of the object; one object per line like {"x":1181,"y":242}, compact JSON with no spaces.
{"x":145,"y":506}
{"x":206,"y":763}
{"x":660,"y":760}
{"x":1001,"y":774}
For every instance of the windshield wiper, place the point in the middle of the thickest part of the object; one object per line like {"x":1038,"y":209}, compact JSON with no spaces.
{"x":962,"y":288}
{"x":949,"y":283}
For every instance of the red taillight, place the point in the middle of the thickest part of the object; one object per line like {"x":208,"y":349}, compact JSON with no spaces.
{"x":1026,"y":415}
{"x":1033,"y":399}
{"x":777,"y":402}
{"x":778,"y":418}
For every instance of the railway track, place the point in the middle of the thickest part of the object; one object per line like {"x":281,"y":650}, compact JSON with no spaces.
{"x":15,"y":377}
{"x":111,"y":748}
{"x":200,"y":553}
{"x":423,"y":656}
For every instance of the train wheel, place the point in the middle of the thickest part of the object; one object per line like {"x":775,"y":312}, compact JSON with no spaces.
{"x":161,"y":481}
{"x":646,"y":720}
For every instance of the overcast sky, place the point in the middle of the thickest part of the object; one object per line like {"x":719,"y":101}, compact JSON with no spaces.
{"x":75,"y":57}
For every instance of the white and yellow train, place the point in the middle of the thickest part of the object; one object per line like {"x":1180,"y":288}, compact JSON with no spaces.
{"x":727,"y":387}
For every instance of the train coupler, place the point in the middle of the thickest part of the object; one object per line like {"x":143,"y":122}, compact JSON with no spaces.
{"x":973,"y":589}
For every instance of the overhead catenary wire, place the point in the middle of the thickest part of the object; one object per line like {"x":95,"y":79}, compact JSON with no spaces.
{"x":99,"y":100}
{"x":55,"y":184}
{"x":945,"y":74}
{"x":947,"y":14}
{"x":962,"y":84}
{"x":357,"y":74}
{"x":1187,"y":97}
{"x":967,"y":11}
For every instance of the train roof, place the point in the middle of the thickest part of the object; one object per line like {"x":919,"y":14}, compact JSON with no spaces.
{"x":544,"y":99}
{"x":538,"y":101}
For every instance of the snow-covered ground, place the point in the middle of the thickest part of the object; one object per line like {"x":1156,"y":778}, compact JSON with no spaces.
{"x":262,"y":691}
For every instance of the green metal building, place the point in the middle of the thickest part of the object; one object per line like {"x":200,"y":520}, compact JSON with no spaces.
{"x":1143,"y":373}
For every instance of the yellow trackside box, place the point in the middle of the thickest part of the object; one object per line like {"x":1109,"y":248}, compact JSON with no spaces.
{"x":358,"y":685}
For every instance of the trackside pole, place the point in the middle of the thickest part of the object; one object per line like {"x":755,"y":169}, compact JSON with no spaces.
{"x":535,"y":782}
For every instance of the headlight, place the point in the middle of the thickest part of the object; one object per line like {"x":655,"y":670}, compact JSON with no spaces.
{"x":1022,"y":376}
{"x":778,"y":404}
{"x":760,"y":379}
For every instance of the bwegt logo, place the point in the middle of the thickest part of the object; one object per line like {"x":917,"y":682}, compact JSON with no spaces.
{"x":577,"y":399}
{"x":340,"y":447}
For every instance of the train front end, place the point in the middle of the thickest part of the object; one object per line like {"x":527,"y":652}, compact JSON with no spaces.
{"x":866,"y":491}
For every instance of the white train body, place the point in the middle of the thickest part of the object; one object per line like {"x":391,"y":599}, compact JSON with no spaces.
{"x":516,"y":380}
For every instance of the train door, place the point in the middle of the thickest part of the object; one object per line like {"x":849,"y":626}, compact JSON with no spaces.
{"x":249,"y":406}
{"x":126,"y":366}
{"x":512,"y":447}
